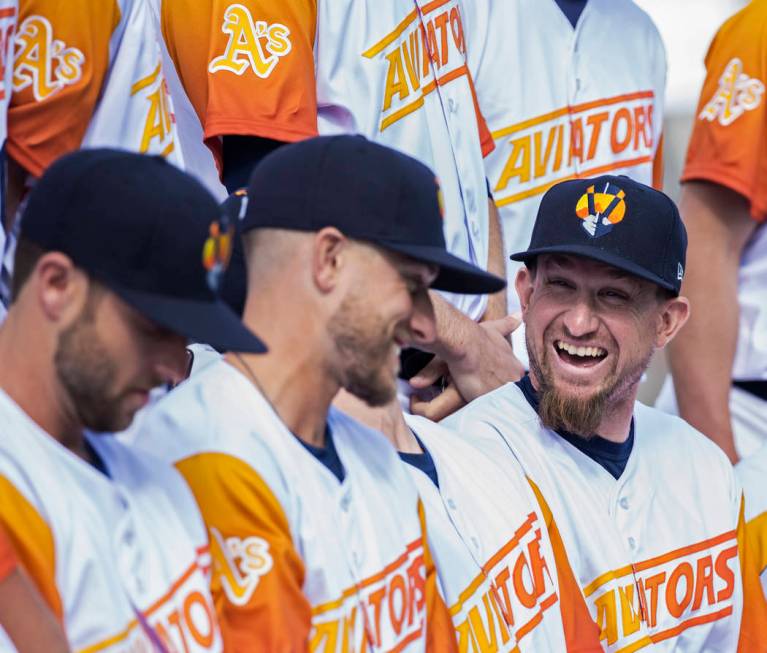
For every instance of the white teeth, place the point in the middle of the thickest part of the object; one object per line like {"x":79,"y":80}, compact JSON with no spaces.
{"x":592,"y":352}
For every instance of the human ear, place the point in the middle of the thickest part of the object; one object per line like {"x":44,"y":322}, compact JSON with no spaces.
{"x":61,"y":290}
{"x":672,"y":317}
{"x":523,"y":283}
{"x":329,"y":253}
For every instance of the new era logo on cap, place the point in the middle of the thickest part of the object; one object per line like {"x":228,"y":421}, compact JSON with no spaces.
{"x":615,"y":220}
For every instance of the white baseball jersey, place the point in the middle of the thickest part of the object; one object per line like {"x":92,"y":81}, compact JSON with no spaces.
{"x":752,"y":473}
{"x":298,"y":555}
{"x":393,"y":71}
{"x":656,"y":552}
{"x":123,"y":560}
{"x":562,"y":102}
{"x":506,"y":586}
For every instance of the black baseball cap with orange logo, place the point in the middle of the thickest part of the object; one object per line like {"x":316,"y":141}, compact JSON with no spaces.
{"x":146,"y":230}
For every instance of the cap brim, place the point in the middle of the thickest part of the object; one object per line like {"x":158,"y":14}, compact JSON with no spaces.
{"x":212,"y":323}
{"x":455,"y":274}
{"x":596,"y":254}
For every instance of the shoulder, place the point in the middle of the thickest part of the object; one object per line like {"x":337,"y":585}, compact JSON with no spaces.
{"x":505,"y":407}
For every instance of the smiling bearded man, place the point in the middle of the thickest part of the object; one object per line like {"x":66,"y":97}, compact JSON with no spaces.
{"x":649,"y":512}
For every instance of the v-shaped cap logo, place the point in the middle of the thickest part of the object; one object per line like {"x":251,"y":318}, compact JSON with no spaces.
{"x":601,"y":210}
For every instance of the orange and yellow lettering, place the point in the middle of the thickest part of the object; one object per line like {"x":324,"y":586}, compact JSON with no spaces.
{"x":433,"y":47}
{"x":527,"y":597}
{"x":724,"y":572}
{"x":325,"y":635}
{"x":416,"y":574}
{"x":518,"y":163}
{"x":538,"y":565}
{"x":641,"y":124}
{"x":607,"y":617}
{"x":396,"y":82}
{"x":375,"y":600}
{"x":203,"y":637}
{"x":456,"y":25}
{"x":704,"y":582}
{"x":397,"y":596}
{"x":619,"y":143}
{"x":486,"y":640}
{"x":441,"y":24}
{"x":595,"y":121}
{"x":576,"y":141}
{"x":542,"y":162}
{"x":412,"y":55}
{"x":503,"y":618}
{"x":630,"y":618}
{"x":502,"y":581}
{"x":652,"y":584}
{"x":675,"y":606}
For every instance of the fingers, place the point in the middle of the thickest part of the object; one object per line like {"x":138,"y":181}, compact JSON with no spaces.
{"x":505,"y":325}
{"x":429,"y":375}
{"x":444,"y":404}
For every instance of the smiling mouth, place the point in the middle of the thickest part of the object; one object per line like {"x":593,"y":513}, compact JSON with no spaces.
{"x":578,"y":355}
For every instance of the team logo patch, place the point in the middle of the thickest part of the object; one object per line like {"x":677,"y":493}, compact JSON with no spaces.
{"x":43,"y":62}
{"x":440,"y":198}
{"x":217,"y":251}
{"x":241,"y":563}
{"x":737,"y":93}
{"x":601,"y":210}
{"x":252,"y":44}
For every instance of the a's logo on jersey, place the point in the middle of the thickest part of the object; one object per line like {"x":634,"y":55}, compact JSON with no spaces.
{"x":43,"y":62}
{"x":737,"y":93}
{"x":158,"y":134}
{"x":252,"y":44}
{"x":240,"y":563}
{"x":217,"y":251}
{"x":601,"y":210}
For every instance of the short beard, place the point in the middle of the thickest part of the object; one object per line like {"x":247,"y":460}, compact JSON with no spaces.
{"x":86,"y":372}
{"x":579,"y":415}
{"x":363,"y":346}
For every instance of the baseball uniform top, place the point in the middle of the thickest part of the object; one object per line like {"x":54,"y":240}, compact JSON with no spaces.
{"x":393,"y":71}
{"x":91,"y":74}
{"x":301,"y":560}
{"x":8,"y":560}
{"x":509,"y":585}
{"x":728,"y":146}
{"x":563,"y":102}
{"x":121,"y":560}
{"x":752,"y":473}
{"x":656,"y":552}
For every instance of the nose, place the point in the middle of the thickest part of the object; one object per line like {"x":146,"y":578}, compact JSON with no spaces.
{"x":580,"y":319}
{"x":423,"y":325}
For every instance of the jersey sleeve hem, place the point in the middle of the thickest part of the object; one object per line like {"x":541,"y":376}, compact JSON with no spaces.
{"x":25,"y":160}
{"x":289,"y":134}
{"x":718,"y":175}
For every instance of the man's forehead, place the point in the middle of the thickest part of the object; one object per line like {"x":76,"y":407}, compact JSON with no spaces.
{"x":411,"y":268}
{"x":572,"y":262}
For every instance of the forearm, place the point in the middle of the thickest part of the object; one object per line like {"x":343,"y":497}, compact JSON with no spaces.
{"x":497,"y":306}
{"x":701,"y":358}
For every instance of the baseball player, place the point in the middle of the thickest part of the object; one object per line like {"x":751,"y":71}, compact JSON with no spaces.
{"x":107,"y":289}
{"x":25,"y":618}
{"x":317,"y":531}
{"x":261,"y":74}
{"x":722,"y":390}
{"x":648,"y":508}
{"x":751,"y":472}
{"x":586,"y":98}
{"x":83,"y":74}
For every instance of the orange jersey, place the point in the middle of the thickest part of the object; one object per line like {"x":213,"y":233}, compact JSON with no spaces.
{"x":729,"y":139}
{"x":87,"y":73}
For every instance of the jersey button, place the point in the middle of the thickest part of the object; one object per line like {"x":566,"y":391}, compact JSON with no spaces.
{"x":624,"y":503}
{"x":632,"y":543}
{"x":451,"y":504}
{"x":452,"y":105}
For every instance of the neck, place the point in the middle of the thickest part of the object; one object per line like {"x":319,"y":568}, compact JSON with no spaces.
{"x":28,"y":377}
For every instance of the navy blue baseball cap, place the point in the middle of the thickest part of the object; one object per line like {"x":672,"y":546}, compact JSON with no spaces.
{"x":617,"y":221}
{"x":149,"y":232}
{"x":369,"y":192}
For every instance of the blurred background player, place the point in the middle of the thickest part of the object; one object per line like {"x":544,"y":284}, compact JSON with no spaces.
{"x":106,"y":291}
{"x":8,"y":16}
{"x":719,"y":362}
{"x":261,"y":74}
{"x":569,"y":88}
{"x":28,"y":622}
{"x":645,"y":504}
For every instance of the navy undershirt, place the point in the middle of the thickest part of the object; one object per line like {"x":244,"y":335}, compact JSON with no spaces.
{"x":422,"y":461}
{"x":572,"y":9}
{"x":327,"y":455}
{"x":96,"y":460}
{"x":613,"y":456}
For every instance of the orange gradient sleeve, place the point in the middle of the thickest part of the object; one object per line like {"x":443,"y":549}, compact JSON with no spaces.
{"x":247,"y":66}
{"x":61,"y":61}
{"x":581,"y":631}
{"x":440,"y":631}
{"x":257,"y":575}
{"x":32,"y":541}
{"x":728,"y":145}
{"x":752,"y":552}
